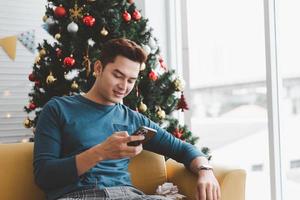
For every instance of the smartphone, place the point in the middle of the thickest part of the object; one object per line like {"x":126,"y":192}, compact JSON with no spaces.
{"x":143,"y":130}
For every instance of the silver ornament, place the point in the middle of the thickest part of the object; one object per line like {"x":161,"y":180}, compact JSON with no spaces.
{"x":152,"y":43}
{"x":50,"y":5}
{"x":72,"y":27}
{"x":50,"y":21}
{"x":153,"y":50}
{"x":147,"y":49}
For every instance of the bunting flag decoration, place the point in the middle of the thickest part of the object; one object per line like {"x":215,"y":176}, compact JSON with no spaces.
{"x":9,"y":45}
{"x":28,"y":40}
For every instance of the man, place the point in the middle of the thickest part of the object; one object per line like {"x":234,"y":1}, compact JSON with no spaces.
{"x":81,"y":141}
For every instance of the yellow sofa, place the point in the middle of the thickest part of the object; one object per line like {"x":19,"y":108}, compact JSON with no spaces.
{"x":148,"y":171}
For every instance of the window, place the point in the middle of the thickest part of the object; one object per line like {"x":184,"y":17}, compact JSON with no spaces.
{"x":223,"y":45}
{"x":226,"y":51}
{"x":288,"y":48}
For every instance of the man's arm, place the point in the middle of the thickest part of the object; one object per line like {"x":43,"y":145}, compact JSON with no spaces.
{"x":207,"y":185}
{"x":114,"y":147}
{"x":50,"y":170}
{"x":197,"y":162}
{"x":165,"y":143}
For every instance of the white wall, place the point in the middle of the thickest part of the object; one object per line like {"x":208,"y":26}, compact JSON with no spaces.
{"x":17,"y":17}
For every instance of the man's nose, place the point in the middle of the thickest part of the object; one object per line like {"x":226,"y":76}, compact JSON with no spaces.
{"x":123,"y":85}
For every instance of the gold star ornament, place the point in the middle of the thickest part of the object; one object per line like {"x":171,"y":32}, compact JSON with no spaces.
{"x":76,"y":13}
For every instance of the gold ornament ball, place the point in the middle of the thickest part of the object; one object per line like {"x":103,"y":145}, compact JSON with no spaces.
{"x":27,"y":123}
{"x":104,"y":32}
{"x":57,"y":36}
{"x":143,"y":66}
{"x":74,"y":86}
{"x":37,"y":60}
{"x":178,"y":85}
{"x":142,"y":107}
{"x":161,"y":114}
{"x":45,"y":18}
{"x":42,"y":52}
{"x":50,"y":79}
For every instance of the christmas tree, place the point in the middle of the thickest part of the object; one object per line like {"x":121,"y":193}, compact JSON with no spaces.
{"x":81,"y":27}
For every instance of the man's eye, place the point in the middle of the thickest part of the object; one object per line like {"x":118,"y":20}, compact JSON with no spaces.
{"x":117,"y":76}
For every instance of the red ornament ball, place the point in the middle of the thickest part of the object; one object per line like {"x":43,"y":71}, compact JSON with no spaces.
{"x":60,"y":11}
{"x":152,"y":75}
{"x":126,"y":16}
{"x":31,"y":77}
{"x":136,"y":15}
{"x":69,"y":61}
{"x":31,"y":106}
{"x":89,"y":20}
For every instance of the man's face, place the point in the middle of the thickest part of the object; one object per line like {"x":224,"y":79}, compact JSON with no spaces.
{"x":116,"y":80}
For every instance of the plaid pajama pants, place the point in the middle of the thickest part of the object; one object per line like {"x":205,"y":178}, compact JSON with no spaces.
{"x":111,"y":193}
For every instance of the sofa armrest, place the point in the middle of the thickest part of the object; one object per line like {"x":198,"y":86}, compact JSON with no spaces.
{"x":232,"y":181}
{"x":17,"y":180}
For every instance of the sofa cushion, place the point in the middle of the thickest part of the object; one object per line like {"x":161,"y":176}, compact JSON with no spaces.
{"x":148,"y":170}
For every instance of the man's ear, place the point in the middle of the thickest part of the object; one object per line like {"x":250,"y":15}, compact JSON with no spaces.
{"x":97,"y":68}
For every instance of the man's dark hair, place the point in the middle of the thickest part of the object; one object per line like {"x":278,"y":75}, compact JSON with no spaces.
{"x":122,"y":47}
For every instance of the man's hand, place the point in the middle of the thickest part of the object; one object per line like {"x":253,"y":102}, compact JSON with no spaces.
{"x":115,"y":146}
{"x":207,"y":186}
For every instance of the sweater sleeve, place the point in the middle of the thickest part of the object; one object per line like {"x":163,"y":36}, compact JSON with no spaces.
{"x":166,"y":144}
{"x":50,"y":169}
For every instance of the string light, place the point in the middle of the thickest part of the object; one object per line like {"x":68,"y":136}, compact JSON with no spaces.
{"x":8,"y":115}
{"x":24,"y":140}
{"x":6,"y":93}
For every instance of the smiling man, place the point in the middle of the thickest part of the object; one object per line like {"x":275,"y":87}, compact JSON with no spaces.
{"x":81,"y":150}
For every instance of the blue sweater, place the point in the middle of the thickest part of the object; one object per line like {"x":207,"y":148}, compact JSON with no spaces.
{"x":70,"y":125}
